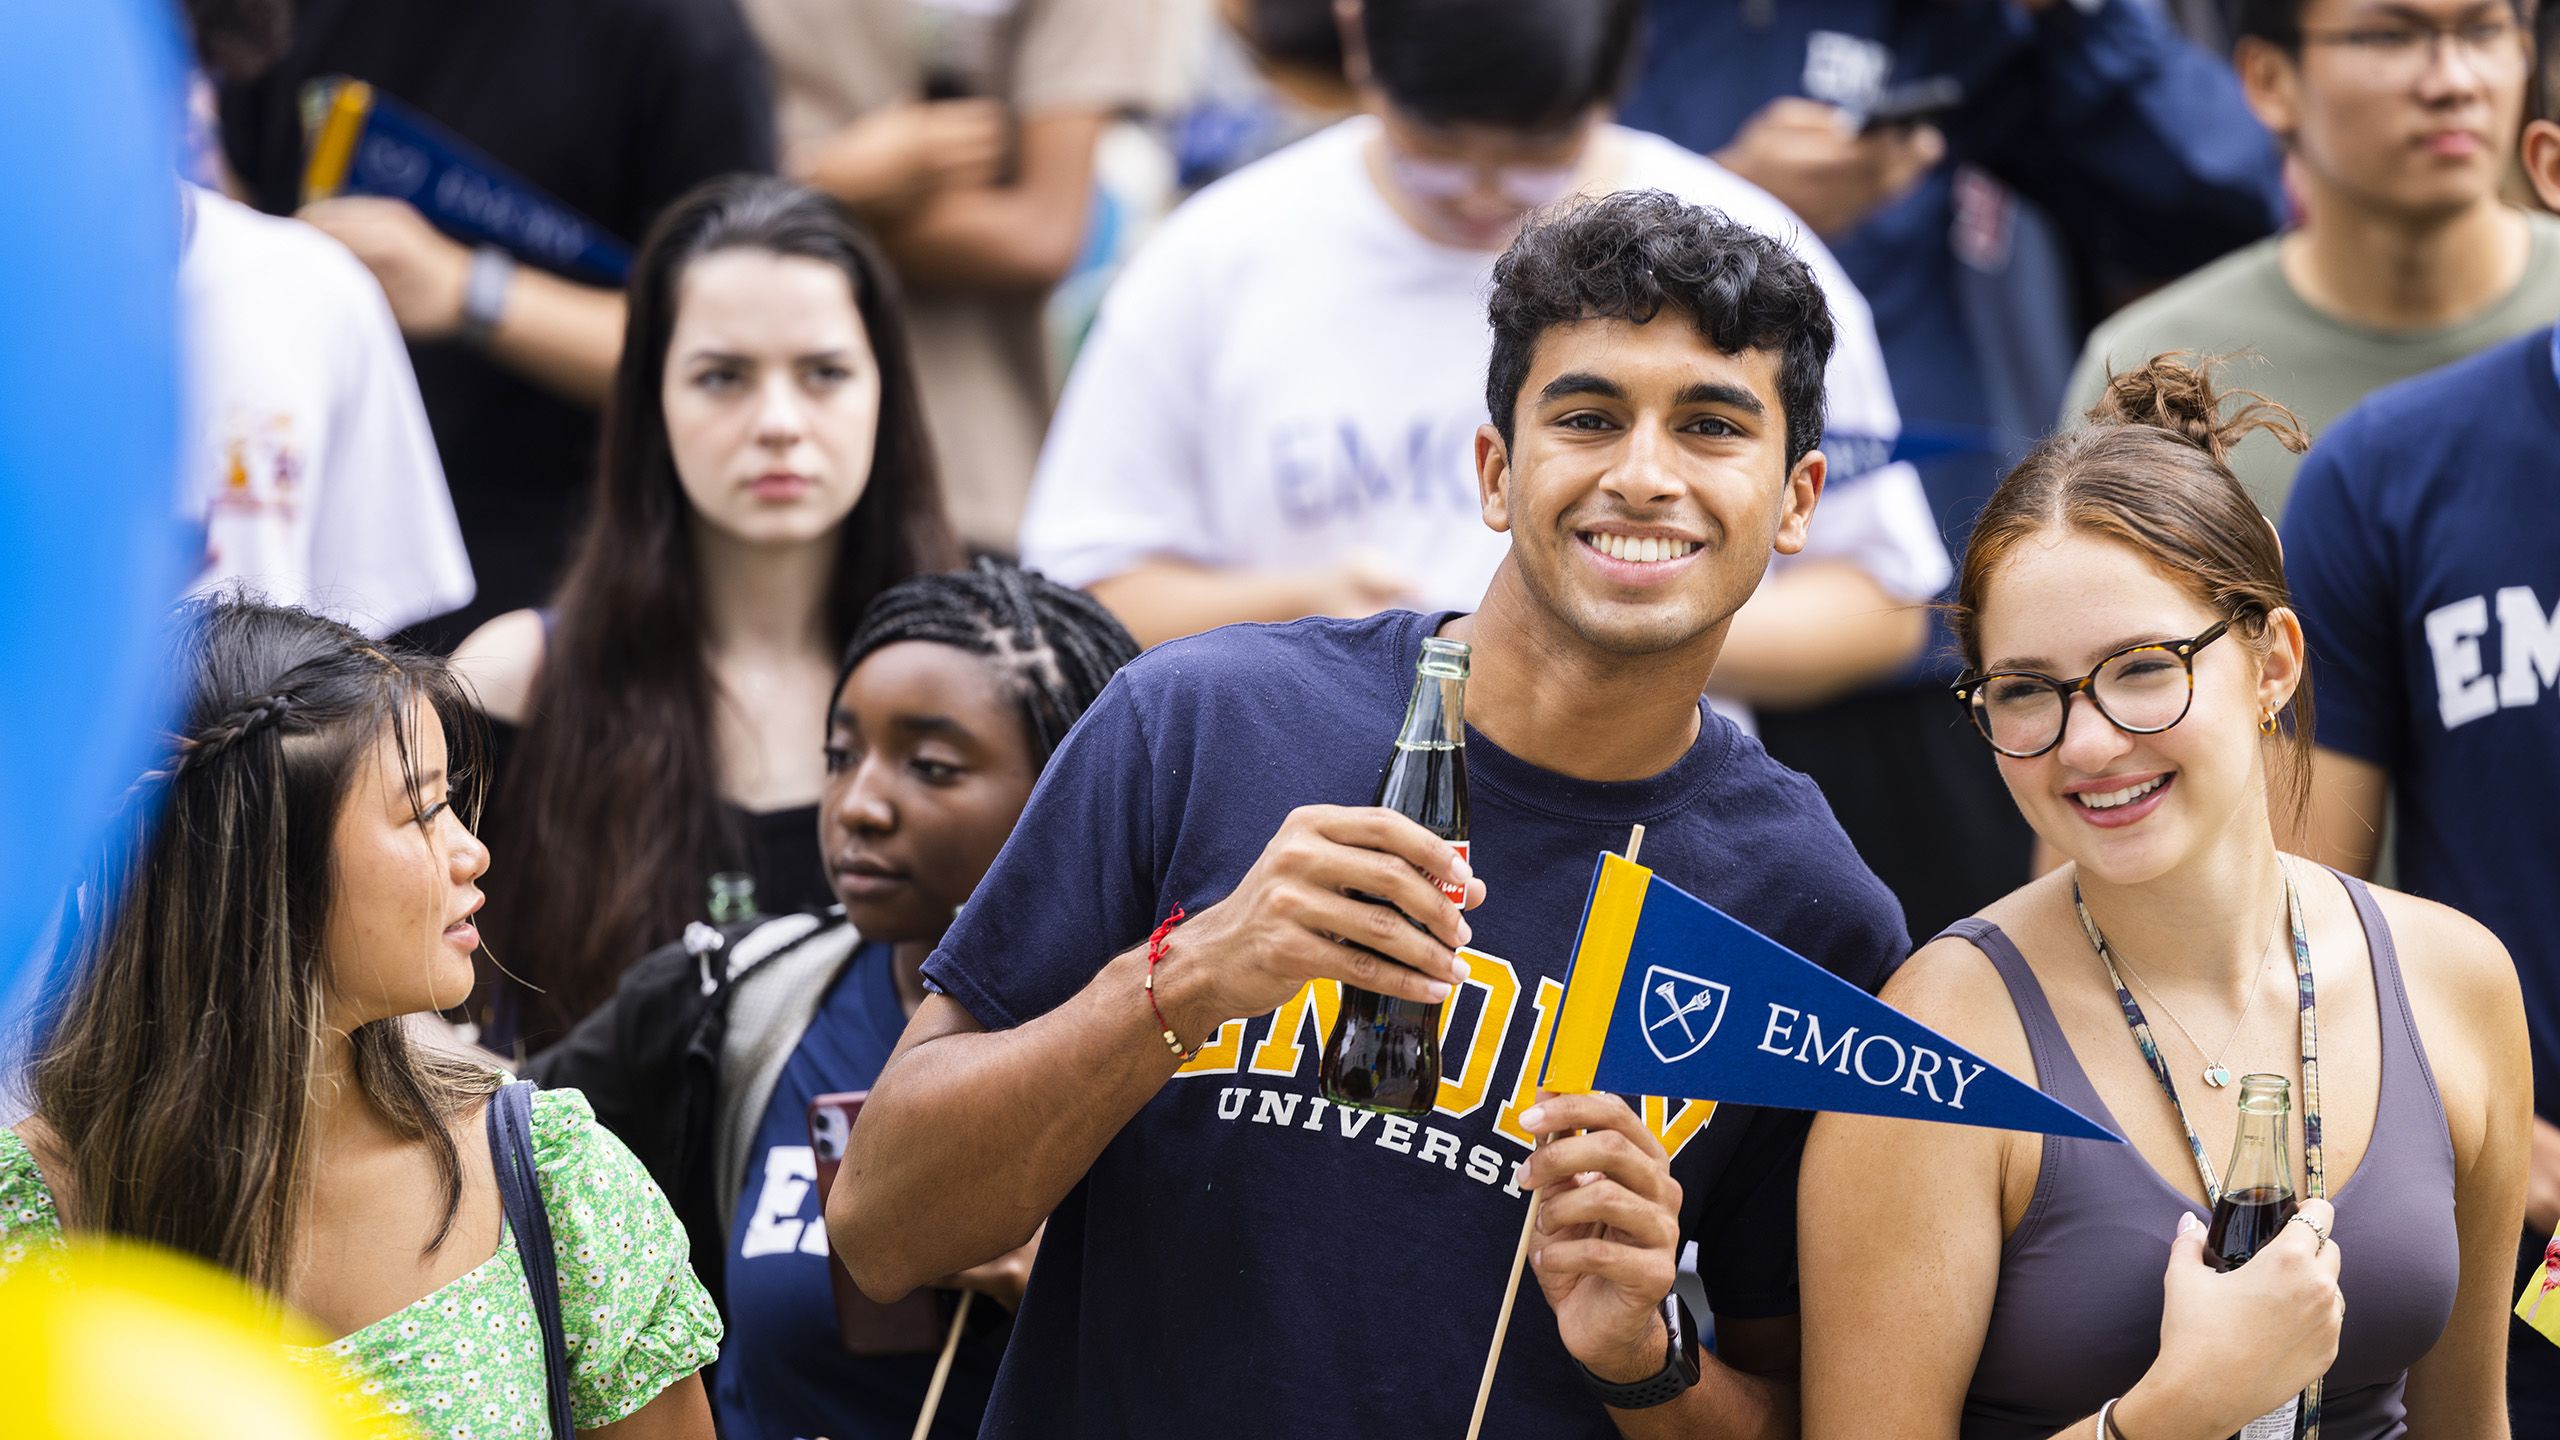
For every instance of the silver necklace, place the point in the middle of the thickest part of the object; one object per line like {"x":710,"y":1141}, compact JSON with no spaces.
{"x":2216,"y":1074}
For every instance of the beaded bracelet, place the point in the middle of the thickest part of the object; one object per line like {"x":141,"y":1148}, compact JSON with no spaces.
{"x":1155,"y":952}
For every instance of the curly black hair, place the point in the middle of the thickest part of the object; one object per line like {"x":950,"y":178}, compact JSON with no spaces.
{"x":1635,"y":254}
{"x":1055,"y":647}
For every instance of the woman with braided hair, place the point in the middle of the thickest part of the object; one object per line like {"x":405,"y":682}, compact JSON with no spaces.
{"x":765,"y":474}
{"x":223,"y":1065}
{"x":952,"y":696}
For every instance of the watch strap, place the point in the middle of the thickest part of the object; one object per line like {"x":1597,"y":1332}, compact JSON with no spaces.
{"x":1678,"y":1374}
{"x":484,"y":292}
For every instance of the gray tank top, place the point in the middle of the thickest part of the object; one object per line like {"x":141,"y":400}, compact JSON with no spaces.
{"x":2077,"y":1318}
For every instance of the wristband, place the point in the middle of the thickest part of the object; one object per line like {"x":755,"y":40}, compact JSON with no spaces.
{"x":484,"y":292}
{"x":1155,"y":952}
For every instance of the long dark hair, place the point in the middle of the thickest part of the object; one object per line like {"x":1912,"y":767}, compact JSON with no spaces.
{"x":610,"y":811}
{"x":175,"y":1057}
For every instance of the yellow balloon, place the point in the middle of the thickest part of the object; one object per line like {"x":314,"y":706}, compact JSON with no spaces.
{"x":119,"y":1341}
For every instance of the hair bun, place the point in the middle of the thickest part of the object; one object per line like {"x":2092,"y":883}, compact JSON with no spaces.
{"x":2175,"y":392}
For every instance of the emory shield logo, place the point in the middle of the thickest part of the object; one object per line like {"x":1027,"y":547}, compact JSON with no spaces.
{"x":1681,"y":1012}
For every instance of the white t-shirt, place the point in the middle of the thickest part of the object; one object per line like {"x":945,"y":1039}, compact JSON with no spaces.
{"x":306,"y":454}
{"x":1288,"y":372}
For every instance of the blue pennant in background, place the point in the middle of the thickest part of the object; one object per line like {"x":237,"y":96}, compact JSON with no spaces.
{"x":364,"y":142}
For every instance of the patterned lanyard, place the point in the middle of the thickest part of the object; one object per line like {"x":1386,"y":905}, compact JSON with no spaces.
{"x":2314,"y":1168}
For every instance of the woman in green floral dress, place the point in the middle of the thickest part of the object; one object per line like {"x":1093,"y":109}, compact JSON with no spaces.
{"x":228,"y":1073}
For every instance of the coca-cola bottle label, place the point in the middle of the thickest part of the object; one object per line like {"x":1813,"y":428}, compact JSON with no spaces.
{"x":1457,"y":893}
{"x":2276,"y":1424}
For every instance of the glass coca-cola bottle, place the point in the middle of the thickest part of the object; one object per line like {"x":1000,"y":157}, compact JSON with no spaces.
{"x":2257,"y":1202}
{"x":1384,"y":1053}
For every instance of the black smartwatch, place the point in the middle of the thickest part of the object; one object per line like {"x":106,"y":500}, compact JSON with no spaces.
{"x":1679,"y":1367}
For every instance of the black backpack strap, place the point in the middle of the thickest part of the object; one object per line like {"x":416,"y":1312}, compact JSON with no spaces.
{"x":511,"y":1149}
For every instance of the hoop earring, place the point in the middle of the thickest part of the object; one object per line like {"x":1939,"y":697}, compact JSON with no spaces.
{"x":2267,"y":721}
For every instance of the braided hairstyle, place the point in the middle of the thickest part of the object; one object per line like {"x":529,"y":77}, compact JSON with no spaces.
{"x":1054,"y":647}
{"x":186,"y":1016}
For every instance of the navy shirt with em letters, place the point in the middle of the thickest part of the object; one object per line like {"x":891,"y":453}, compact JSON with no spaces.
{"x":1245,"y":1260}
{"x":2423,"y":545}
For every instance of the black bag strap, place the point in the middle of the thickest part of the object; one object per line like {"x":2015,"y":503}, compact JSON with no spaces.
{"x":511,"y":1149}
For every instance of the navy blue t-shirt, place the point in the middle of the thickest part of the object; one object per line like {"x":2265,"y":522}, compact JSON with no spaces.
{"x":1244,"y":1260}
{"x":2423,"y":544}
{"x":783,"y":1373}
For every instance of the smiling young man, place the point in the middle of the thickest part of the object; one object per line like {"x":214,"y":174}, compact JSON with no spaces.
{"x":2399,"y":120}
{"x":1228,"y":1254}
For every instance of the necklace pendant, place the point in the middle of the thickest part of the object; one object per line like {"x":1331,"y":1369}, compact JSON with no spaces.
{"x":2216,"y":1076}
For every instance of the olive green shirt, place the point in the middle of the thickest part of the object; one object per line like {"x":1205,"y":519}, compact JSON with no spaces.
{"x":2305,"y":359}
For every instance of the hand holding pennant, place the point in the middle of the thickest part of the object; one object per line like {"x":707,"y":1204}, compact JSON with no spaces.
{"x":1670,"y":996}
{"x":364,"y":142}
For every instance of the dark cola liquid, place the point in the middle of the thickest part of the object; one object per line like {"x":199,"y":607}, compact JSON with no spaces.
{"x":2245,"y":1222}
{"x":1384,"y":1053}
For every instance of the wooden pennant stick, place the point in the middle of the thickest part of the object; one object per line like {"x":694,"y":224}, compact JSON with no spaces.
{"x":1520,"y":1254}
{"x":942,"y":1367}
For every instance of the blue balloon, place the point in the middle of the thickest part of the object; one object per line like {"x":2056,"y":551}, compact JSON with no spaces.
{"x":91,"y":109}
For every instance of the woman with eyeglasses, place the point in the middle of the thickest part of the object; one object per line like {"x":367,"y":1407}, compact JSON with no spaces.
{"x":2133,"y":662}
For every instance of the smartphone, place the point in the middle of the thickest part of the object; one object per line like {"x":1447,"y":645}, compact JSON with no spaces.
{"x":1914,"y":102}
{"x":913,"y":1326}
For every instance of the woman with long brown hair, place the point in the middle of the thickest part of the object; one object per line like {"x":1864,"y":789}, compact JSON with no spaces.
{"x":2134,"y":662}
{"x":224,"y":1069}
{"x":765,"y":473}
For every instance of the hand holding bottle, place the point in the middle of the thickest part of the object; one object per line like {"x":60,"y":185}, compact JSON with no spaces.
{"x":1284,"y":922}
{"x":2235,"y":1345}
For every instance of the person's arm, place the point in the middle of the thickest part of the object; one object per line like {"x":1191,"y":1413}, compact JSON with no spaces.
{"x":2132,"y":136}
{"x":1891,"y":1348}
{"x":2468,"y":994}
{"x":560,"y":334}
{"x":1165,"y":598}
{"x":1020,"y":237}
{"x":971,"y":1137}
{"x":2339,"y":562}
{"x":2342,"y":824}
{"x":892,"y":158}
{"x":1813,"y":157}
{"x":1605,"y":1253}
{"x":681,"y":1412}
{"x":1814,"y":632}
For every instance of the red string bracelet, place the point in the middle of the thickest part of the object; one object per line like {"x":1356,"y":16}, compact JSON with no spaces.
{"x":1155,"y":952}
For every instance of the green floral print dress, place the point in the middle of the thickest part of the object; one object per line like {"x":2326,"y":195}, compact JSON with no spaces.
{"x":465,"y":1363}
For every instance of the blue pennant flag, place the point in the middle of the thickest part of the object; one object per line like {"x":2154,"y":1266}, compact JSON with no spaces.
{"x":1670,"y":996}
{"x":366,"y":143}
